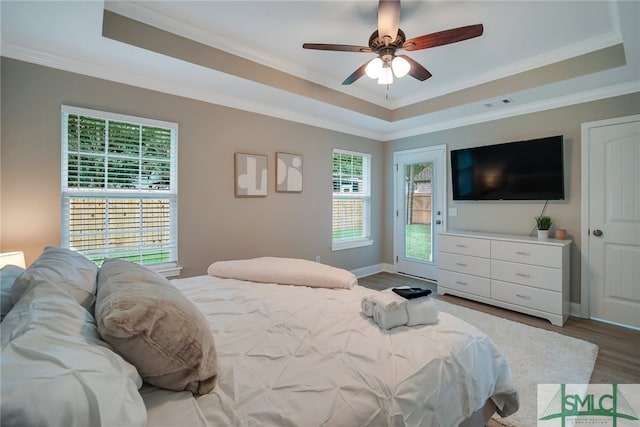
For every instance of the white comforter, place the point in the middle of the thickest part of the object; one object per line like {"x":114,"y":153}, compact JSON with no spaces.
{"x":298,"y":356}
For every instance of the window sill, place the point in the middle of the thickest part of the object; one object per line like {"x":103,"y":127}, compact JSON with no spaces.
{"x":349,"y":244}
{"x":167,"y":270}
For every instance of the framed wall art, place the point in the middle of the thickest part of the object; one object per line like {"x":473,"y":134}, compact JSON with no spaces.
{"x":288,"y":173}
{"x":251,"y":175}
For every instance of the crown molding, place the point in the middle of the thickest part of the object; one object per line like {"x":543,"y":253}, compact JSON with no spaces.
{"x":143,"y":81}
{"x":532,"y":107}
{"x":111,"y":74}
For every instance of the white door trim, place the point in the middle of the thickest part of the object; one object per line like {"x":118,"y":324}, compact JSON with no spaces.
{"x":585,"y":271}
{"x":441,"y":176}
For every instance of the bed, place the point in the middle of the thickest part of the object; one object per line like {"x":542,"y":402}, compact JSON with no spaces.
{"x":281,"y":355}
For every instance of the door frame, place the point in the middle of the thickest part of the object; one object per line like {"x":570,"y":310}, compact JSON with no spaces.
{"x":440,"y":175}
{"x":585,"y":193}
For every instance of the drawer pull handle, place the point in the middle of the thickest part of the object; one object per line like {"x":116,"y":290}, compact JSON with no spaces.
{"x":523,"y":253}
{"x":461,"y":283}
{"x":523,"y":296}
{"x":461,"y":264}
{"x":461,"y":246}
{"x":523,"y":275}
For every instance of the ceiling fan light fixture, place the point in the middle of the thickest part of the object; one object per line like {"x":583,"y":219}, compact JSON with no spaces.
{"x":388,"y":38}
{"x":400,"y":66}
{"x":386,"y":75}
{"x":374,"y":68}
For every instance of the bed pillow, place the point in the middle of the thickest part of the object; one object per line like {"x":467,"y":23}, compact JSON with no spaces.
{"x":66,"y":268}
{"x":155,"y":327}
{"x":8,"y":276}
{"x":56,"y":371}
{"x":284,"y":271}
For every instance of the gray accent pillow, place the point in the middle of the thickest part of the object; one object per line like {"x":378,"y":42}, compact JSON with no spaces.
{"x":155,"y":327}
{"x":68,"y":269}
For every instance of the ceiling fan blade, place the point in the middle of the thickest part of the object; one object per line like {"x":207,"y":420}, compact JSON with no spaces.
{"x":388,"y":19}
{"x":337,"y":47}
{"x":441,"y":38}
{"x":416,"y":71}
{"x":356,"y":74}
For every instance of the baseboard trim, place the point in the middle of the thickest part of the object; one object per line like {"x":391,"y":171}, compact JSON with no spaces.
{"x":389,"y":268}
{"x":622,"y":325}
{"x":575,"y":310}
{"x":373,"y":269}
{"x":368,"y":271}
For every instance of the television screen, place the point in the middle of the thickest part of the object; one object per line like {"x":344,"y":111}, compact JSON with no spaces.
{"x":523,"y":170}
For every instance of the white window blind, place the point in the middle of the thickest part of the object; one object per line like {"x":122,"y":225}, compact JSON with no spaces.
{"x":119,"y":187}
{"x":351,"y":199}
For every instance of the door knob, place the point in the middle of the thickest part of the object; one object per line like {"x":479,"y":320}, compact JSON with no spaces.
{"x":597,"y":232}
{"x":438,"y":221}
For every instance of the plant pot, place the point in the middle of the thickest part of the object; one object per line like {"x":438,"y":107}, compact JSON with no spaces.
{"x":543,"y":234}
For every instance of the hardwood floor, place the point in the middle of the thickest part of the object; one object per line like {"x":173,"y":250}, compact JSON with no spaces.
{"x":618,"y":359}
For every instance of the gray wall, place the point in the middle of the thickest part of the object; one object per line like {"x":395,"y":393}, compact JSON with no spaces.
{"x":213,"y":224}
{"x":517,"y":217}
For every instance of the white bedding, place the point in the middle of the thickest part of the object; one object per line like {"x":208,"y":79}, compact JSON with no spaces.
{"x":298,"y":356}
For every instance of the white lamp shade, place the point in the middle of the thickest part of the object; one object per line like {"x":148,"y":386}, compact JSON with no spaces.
{"x":374,"y":68}
{"x":12,"y":258}
{"x":386,"y":75}
{"x":400,"y":66}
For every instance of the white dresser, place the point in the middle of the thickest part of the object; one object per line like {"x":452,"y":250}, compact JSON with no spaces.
{"x":520,"y":273}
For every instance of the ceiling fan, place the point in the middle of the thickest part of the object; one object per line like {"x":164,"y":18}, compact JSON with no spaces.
{"x":388,"y":39}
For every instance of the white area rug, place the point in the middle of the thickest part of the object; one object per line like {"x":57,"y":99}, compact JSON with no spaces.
{"x":535,"y":356}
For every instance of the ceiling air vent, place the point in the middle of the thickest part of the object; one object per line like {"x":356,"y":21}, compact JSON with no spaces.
{"x":498,"y":102}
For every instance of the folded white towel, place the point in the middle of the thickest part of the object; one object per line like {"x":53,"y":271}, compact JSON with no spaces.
{"x":417,"y":311}
{"x":367,"y":306}
{"x":388,"y":319}
{"x":422,"y":311}
{"x":388,"y":300}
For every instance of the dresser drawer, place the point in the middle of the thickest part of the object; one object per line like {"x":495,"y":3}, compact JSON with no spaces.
{"x":539,"y":299}
{"x":525,"y":274}
{"x":465,"y":283}
{"x":465,"y":245}
{"x":527,"y":253}
{"x":464,"y":264}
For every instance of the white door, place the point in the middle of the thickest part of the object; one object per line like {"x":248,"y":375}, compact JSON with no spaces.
{"x":420,"y":194}
{"x":611,"y":187}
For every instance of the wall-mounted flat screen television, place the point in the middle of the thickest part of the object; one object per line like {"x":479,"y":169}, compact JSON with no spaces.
{"x":522,"y":170}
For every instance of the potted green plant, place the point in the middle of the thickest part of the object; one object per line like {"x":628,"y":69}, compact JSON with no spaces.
{"x":543,"y":223}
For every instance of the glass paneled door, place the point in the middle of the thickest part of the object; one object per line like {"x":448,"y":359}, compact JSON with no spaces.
{"x":417,"y":213}
{"x":420,"y":190}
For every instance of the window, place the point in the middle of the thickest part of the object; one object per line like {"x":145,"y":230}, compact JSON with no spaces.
{"x":351,"y":200}
{"x":119,"y":188}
